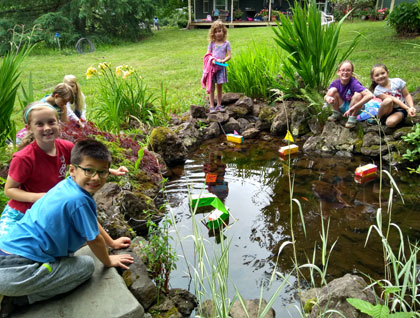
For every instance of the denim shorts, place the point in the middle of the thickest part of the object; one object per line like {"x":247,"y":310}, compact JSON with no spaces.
{"x":8,"y":219}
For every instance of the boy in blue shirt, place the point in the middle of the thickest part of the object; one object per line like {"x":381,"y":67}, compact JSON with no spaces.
{"x":36,"y":260}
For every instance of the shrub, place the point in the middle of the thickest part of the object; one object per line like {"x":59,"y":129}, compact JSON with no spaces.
{"x":405,"y":18}
{"x":313,"y":52}
{"x":124,"y":96}
{"x":254,"y":71}
{"x":52,"y":23}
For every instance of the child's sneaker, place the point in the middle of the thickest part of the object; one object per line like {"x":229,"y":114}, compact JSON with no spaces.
{"x":336,"y":115}
{"x":351,"y":122}
{"x":220,"y":108}
{"x":212,"y":110}
{"x":372,"y":121}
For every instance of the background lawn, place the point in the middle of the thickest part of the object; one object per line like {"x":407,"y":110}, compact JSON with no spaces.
{"x":174,"y":58}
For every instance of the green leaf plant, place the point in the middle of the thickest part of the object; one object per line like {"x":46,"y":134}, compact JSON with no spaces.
{"x":312,"y":48}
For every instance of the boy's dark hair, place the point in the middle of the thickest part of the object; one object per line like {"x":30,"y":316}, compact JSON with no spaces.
{"x":89,"y":148}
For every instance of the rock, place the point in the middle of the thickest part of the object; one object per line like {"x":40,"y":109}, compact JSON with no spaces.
{"x":244,"y":124}
{"x":218,"y":117}
{"x":104,"y":295}
{"x":266,"y":117}
{"x":299,"y":119}
{"x":250,"y":133}
{"x":334,"y":295}
{"x":166,"y":309}
{"x":416,"y":97}
{"x":230,"y":98}
{"x":183,"y":300}
{"x":333,"y":138}
{"x":252,"y":308}
{"x":212,"y":131}
{"x":121,"y":211}
{"x":165,"y":142}
{"x":244,"y":103}
{"x":279,"y":125}
{"x":231,"y":125}
{"x":197,"y":111}
{"x":314,"y":125}
{"x":190,"y":135}
{"x":206,"y":309}
{"x":402,"y":132}
{"x":137,"y":280}
{"x":371,"y":145}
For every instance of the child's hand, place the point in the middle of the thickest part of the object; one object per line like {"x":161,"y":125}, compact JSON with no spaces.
{"x":121,"y":171}
{"x":329,"y":99}
{"x":121,"y":242}
{"x":121,"y":260}
{"x":411,"y":112}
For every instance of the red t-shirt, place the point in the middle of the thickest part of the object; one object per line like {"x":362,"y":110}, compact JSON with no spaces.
{"x":38,"y":172}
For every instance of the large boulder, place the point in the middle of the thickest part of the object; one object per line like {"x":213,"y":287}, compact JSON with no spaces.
{"x":212,"y":131}
{"x":168,"y":144}
{"x":334,"y":137}
{"x":299,"y":119}
{"x":373,"y":145}
{"x":333,"y":297}
{"x":122,"y":211}
{"x":137,"y":279}
{"x":279,"y":124}
{"x":231,"y":126}
{"x":241,"y":108}
{"x":191,"y":136}
{"x":266,"y":117}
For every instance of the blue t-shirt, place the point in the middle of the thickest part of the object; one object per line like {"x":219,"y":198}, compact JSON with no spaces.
{"x":347,"y":91}
{"x":57,"y":224}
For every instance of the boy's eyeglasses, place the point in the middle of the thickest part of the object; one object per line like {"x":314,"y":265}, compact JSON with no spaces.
{"x":89,"y":172}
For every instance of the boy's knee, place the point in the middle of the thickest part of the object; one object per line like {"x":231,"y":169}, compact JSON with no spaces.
{"x":87,"y":265}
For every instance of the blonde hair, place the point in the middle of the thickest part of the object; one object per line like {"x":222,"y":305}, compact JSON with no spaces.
{"x":344,"y":62}
{"x":27,"y":118}
{"x":64,"y":91}
{"x":218,"y":24}
{"x":71,"y":79}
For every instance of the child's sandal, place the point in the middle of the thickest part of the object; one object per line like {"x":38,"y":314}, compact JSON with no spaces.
{"x":351,"y":123}
{"x":336,"y":115}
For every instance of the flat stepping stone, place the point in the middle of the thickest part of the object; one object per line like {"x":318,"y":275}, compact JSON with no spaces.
{"x":104,"y":295}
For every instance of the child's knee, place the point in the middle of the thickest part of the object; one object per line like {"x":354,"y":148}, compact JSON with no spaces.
{"x":357,"y":97}
{"x":332,"y":91}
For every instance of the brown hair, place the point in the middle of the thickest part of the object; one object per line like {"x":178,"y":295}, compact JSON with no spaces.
{"x":374,"y":84}
{"x":64,"y":91}
{"x":218,"y":24}
{"x":344,"y":62}
{"x":78,"y":96}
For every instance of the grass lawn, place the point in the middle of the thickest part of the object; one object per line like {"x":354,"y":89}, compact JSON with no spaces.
{"x":174,"y":58}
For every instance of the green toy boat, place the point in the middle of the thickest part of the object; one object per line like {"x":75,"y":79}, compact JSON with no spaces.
{"x":218,"y":216}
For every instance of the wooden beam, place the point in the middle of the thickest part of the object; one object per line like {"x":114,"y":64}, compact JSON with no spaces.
{"x":189,"y":13}
{"x":269,"y":10}
{"x":231,"y":11}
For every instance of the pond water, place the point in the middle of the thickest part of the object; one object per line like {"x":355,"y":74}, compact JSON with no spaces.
{"x":252,"y":180}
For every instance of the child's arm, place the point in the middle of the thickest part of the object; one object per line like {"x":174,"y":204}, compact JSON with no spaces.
{"x":98,"y":248}
{"x":227,"y":58}
{"x":410,"y":109}
{"x":121,"y":171}
{"x":121,"y":242}
{"x":367,"y":96}
{"x":12,"y":190}
{"x":409,"y":100}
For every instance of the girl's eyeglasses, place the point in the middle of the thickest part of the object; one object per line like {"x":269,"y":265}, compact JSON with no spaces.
{"x":89,"y":172}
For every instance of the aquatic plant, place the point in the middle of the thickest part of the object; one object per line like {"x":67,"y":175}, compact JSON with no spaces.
{"x":161,"y":256}
{"x":413,"y":154}
{"x":313,"y":49}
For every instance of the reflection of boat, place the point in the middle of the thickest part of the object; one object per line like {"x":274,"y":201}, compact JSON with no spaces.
{"x":216,"y":217}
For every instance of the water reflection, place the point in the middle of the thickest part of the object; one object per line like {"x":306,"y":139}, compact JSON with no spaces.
{"x":253,"y":181}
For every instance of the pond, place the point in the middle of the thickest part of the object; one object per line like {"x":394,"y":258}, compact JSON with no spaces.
{"x":253,"y":181}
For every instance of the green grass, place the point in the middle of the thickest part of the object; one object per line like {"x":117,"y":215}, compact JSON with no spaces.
{"x":174,"y":57}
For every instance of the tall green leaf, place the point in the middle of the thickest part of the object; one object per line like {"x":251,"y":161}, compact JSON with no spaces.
{"x":10,"y":70}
